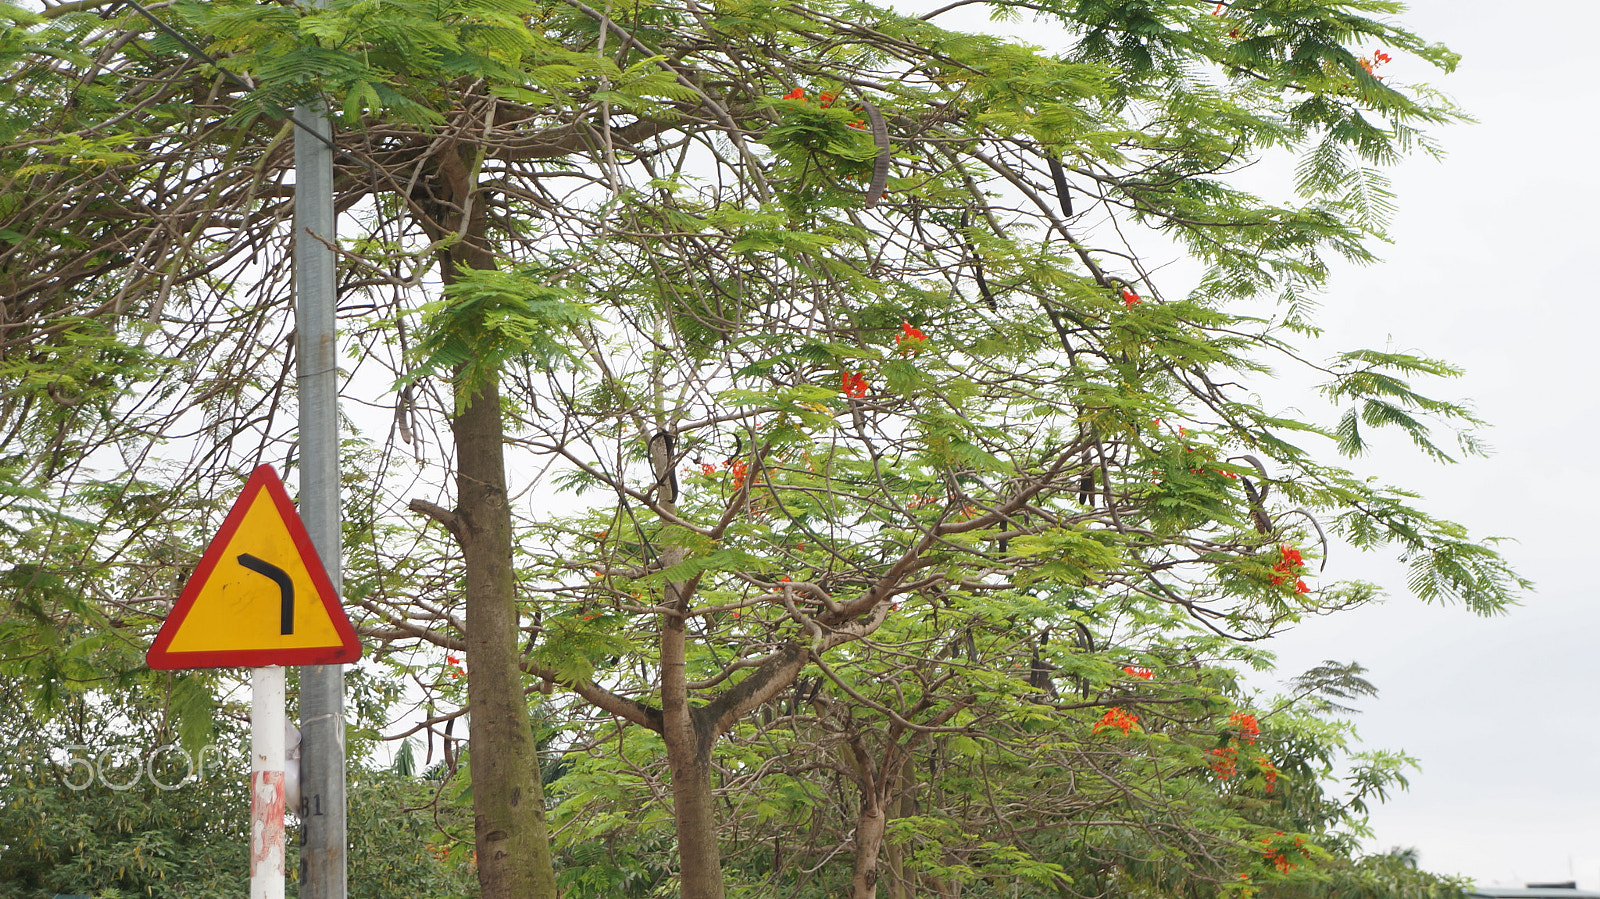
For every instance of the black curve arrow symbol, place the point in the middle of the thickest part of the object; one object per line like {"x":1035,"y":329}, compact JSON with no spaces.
{"x":285,"y":587}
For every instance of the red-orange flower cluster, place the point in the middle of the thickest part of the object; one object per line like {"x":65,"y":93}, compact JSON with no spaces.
{"x":910,"y":340}
{"x":1224,"y":761}
{"x":825,"y":99}
{"x":1277,"y":851}
{"x":1269,"y":772}
{"x":739,"y":468}
{"x":1129,"y":298}
{"x":1378,"y":59}
{"x":1119,"y":718}
{"x":1249,"y":728}
{"x":853,"y":384}
{"x":1290,"y":564}
{"x":453,"y":667}
{"x":1141,"y":673}
{"x":1227,"y":474}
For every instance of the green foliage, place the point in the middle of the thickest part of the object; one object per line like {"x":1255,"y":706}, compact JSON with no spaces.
{"x":101,"y":805}
{"x":398,"y":844}
{"x":489,"y":318}
{"x":1384,"y":399}
{"x":997,"y":479}
{"x":143,"y":841}
{"x":1390,"y":875}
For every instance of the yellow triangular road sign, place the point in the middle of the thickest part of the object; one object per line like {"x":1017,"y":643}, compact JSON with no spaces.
{"x":259,"y":596}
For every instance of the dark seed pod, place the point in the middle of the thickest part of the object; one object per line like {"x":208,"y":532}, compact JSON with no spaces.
{"x":1063,"y":193}
{"x":880,"y":169}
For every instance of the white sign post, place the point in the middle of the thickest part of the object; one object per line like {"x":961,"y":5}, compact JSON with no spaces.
{"x":260,"y":599}
{"x":267,"y":842}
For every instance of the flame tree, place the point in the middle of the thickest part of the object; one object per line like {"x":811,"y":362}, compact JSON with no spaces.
{"x":844,"y":331}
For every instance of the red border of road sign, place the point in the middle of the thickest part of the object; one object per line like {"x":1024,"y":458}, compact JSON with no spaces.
{"x":265,"y":477}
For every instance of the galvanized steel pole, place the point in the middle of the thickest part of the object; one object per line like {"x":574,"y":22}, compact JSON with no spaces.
{"x":322,"y":765}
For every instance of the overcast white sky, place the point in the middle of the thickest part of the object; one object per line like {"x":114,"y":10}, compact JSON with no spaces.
{"x":1492,"y":268}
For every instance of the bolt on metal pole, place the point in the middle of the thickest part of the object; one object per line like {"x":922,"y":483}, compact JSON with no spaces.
{"x":323,"y":863}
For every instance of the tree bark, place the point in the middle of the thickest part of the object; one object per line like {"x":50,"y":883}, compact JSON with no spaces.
{"x":512,"y":840}
{"x":886,"y":787}
{"x":689,"y":742}
{"x":906,"y":805}
{"x":688,"y":735}
{"x":511,"y":835}
{"x":870,"y":825}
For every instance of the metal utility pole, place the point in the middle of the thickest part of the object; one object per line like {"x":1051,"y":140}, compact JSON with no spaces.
{"x":322,"y":793}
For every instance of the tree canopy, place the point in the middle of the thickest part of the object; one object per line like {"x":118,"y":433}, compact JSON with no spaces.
{"x":854,"y":422}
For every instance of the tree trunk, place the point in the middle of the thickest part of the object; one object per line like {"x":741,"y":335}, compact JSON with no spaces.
{"x":882,"y":791}
{"x":513,"y":843}
{"x":899,"y":887}
{"x":870,"y":825}
{"x":893,"y":798}
{"x":512,"y":837}
{"x":694,"y":816}
{"x":688,"y":735}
